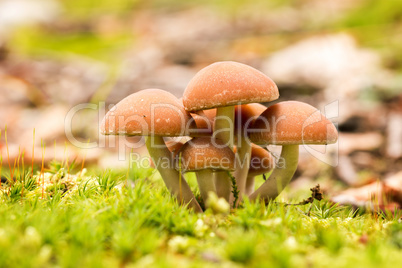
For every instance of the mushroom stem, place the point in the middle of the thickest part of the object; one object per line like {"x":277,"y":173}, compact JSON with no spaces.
{"x":243,"y":163}
{"x":223,"y":130}
{"x":280,"y":177}
{"x":176,"y":185}
{"x":224,"y":124}
{"x":250,"y":185}
{"x":223,"y":185}
{"x":206,"y":183}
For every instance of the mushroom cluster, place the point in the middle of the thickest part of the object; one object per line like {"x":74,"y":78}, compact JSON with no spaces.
{"x":225,"y":125}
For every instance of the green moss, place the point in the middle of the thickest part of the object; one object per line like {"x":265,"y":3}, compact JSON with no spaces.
{"x":376,"y":24}
{"x":84,"y":9}
{"x":38,"y":42}
{"x":104,"y":221}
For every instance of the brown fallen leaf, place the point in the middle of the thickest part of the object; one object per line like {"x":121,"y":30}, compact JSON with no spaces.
{"x":394,"y":186}
{"x":382,"y":195}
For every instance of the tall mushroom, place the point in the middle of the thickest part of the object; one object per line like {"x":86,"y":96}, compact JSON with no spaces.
{"x":245,"y":115}
{"x":206,"y":155}
{"x":154,"y":113}
{"x":173,"y":147}
{"x":289,"y":124}
{"x":223,"y":85}
{"x":261,"y":162}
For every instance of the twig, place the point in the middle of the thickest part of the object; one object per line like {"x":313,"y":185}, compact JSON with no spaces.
{"x":42,"y":174}
{"x":23,"y":172}
{"x":316,"y":194}
{"x":180,"y":176}
{"x":1,"y":164}
{"x":33,"y":152}
{"x":8,"y":152}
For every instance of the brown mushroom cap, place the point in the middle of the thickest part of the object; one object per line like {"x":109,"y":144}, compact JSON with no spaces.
{"x":206,"y":153}
{"x":292,"y":122}
{"x":173,"y":147}
{"x":246,"y":114}
{"x":205,"y":120}
{"x":228,"y":83}
{"x":203,"y":123}
{"x":147,"y":112}
{"x":261,"y":161}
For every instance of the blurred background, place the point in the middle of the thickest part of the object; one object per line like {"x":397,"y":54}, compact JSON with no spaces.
{"x":56,"y":54}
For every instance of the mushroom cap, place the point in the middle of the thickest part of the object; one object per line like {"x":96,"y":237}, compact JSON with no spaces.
{"x":205,"y":153}
{"x":292,"y":122}
{"x":246,"y":114}
{"x":147,"y":112}
{"x":203,"y":123}
{"x":228,"y":83}
{"x":174,"y":146}
{"x":261,"y":161}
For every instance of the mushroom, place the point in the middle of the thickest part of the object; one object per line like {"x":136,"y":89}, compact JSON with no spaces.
{"x":154,"y":113}
{"x":245,"y":115}
{"x":173,"y":147}
{"x":261,"y":162}
{"x":289,"y":124}
{"x":204,"y":155}
{"x":201,"y":124}
{"x":223,"y":85}
{"x":204,"y":120}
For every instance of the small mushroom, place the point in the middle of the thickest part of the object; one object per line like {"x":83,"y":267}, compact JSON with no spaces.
{"x":223,"y":85}
{"x":154,"y":113}
{"x":173,"y":147}
{"x":205,"y":155}
{"x":261,"y":162}
{"x":289,"y":124}
{"x":204,"y":120}
{"x":245,"y":116}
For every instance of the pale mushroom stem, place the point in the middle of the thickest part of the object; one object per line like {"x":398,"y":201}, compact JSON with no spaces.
{"x":223,"y":130}
{"x":280,"y":177}
{"x":176,"y":185}
{"x":224,"y":124}
{"x":250,"y":185}
{"x":206,"y":183}
{"x":243,"y":163}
